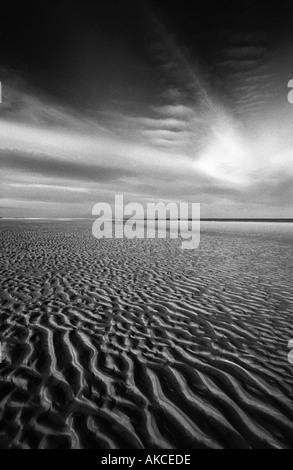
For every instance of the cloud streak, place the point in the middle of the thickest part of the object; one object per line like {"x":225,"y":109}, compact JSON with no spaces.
{"x":42,"y":165}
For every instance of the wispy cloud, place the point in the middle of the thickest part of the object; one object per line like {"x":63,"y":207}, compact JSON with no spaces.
{"x":46,"y":166}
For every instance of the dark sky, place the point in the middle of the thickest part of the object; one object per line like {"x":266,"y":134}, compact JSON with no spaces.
{"x":159,"y":100}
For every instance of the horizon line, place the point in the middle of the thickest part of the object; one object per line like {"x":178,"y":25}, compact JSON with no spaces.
{"x":203,"y":219}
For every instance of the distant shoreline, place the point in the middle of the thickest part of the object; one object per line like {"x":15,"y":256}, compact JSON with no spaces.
{"x":69,"y":219}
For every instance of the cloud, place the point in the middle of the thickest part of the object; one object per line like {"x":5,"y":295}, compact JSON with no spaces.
{"x":43,"y":165}
{"x":176,"y":110}
{"x":203,"y":133}
{"x":31,"y":107}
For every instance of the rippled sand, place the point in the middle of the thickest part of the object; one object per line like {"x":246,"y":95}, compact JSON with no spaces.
{"x":139,"y":344}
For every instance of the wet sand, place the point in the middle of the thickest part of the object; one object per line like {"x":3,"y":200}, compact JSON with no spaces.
{"x":117,"y":344}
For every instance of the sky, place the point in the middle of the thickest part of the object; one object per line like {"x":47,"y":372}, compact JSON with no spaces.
{"x":157,"y":100}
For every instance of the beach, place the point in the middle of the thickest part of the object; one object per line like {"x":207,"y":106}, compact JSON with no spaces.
{"x":123,"y":344}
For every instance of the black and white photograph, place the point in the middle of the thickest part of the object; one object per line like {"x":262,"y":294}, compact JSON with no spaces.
{"x":146,"y":227}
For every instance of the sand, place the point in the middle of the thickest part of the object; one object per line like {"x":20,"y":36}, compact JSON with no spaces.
{"x":117,"y":344}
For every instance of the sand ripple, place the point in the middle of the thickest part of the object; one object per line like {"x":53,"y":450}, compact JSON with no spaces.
{"x":139,"y":344}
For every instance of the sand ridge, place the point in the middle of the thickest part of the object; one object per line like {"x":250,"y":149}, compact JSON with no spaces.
{"x":139,"y":344}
